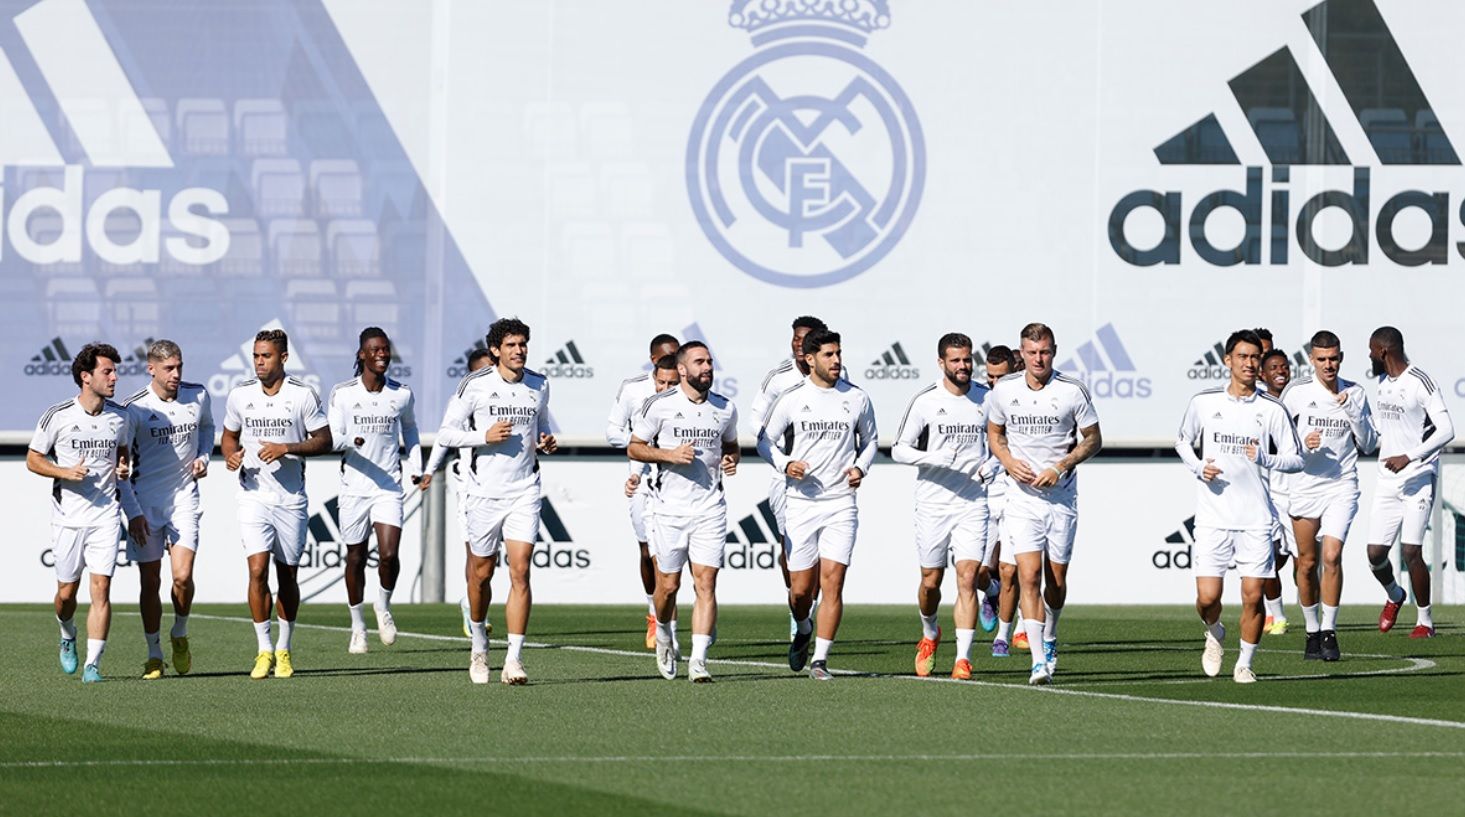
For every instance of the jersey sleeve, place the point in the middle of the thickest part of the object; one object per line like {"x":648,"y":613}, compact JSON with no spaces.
{"x":1186,"y":437}
{"x":205,"y":426}
{"x":772,"y":428}
{"x":996,"y":414}
{"x":1085,"y":415}
{"x":1444,"y":428}
{"x":454,"y":432}
{"x":336,"y":416}
{"x":647,"y":423}
{"x":411,"y":437}
{"x":908,"y":435}
{"x":313,"y":416}
{"x":1365,"y":434}
{"x":866,"y":440}
{"x":233,"y":421}
{"x":730,"y":430}
{"x":44,"y":439}
{"x":1283,"y":433}
{"x":617,"y":425}
{"x":543,"y":414}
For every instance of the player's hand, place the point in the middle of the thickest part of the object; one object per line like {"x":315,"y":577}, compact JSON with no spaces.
{"x":855,"y":477}
{"x":1022,"y":472}
{"x":684,"y":454}
{"x":138,"y":529}
{"x":200,"y":468}
{"x":358,"y":442}
{"x":1342,"y":398}
{"x":729,"y":464}
{"x":548,"y":444}
{"x":1396,"y":463}
{"x":632,"y":483}
{"x":1210,"y":471}
{"x":1313,"y":441}
{"x":75,"y":473}
{"x":1047,"y":478}
{"x":796,"y":469}
{"x":1251,"y":451}
{"x":234,"y":461}
{"x":498,"y":432}
{"x":269,"y":452}
{"x":124,"y":469}
{"x":424,"y":481}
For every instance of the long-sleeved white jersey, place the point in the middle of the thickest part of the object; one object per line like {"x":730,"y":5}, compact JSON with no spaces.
{"x":1238,"y":498}
{"x":945,"y":436}
{"x":1346,"y":430}
{"x":166,"y":438}
{"x":71,"y":436}
{"x":669,"y":419}
{"x":509,"y":468}
{"x":288,"y":416}
{"x":833,"y":430}
{"x":1412,"y":420}
{"x":1042,"y":426}
{"x":630,"y":397}
{"x":379,"y":419}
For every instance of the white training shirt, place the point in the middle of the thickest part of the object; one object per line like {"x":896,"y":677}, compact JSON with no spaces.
{"x":945,"y":436}
{"x":1346,"y":430}
{"x":288,"y":416}
{"x":671,"y":418}
{"x":630,"y":397}
{"x":380,"y":419}
{"x":1239,"y":497}
{"x":1042,"y":425}
{"x":833,"y":430}
{"x":166,"y":438}
{"x":70,"y":435}
{"x":1412,"y":420}
{"x":509,"y":468}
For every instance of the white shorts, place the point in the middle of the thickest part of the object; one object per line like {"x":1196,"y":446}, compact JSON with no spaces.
{"x":1401,"y":510}
{"x":93,"y":548}
{"x":1033,"y":525}
{"x":995,"y":505}
{"x":955,"y":530}
{"x":1282,"y":534}
{"x":678,"y":539}
{"x":491,"y":522}
{"x":819,"y":530}
{"x":1335,"y":511}
{"x":778,"y":501}
{"x":638,"y":505}
{"x":274,"y":528}
{"x":1215,"y":550}
{"x":359,"y":513}
{"x":167,"y":527}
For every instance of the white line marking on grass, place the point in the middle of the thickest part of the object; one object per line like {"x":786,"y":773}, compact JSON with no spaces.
{"x":1415,"y":665}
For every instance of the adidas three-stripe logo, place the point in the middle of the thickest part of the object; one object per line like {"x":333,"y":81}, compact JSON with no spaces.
{"x":568,"y":363}
{"x":892,"y":364}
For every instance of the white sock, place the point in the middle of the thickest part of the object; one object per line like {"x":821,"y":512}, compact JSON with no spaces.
{"x":1330,"y":618}
{"x":262,"y":636}
{"x":929,"y":627}
{"x":1034,"y":629}
{"x":1309,"y":618}
{"x":516,"y":647}
{"x":1395,"y":592}
{"x":384,"y":599}
{"x":1004,"y":629}
{"x":1050,"y":622}
{"x":287,"y":629}
{"x":665,"y":631}
{"x":806,"y":625}
{"x":1246,"y":652}
{"x":1425,"y":618}
{"x":180,"y":627}
{"x":68,"y":628}
{"x":1217,"y":630}
{"x":1274,"y":608}
{"x":821,"y":648}
{"x":700,"y":643}
{"x":964,"y":640}
{"x":94,"y":648}
{"x":155,"y":645}
{"x":479,"y":634}
{"x":651,"y":605}
{"x":358,"y":619}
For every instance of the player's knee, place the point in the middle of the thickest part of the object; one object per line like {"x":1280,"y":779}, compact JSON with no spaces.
{"x":1378,"y":561}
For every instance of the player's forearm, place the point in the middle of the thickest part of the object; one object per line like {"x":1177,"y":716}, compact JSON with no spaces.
{"x":320,"y":441}
{"x":770,"y":453}
{"x":1087,"y":447}
{"x":645,"y":452}
{"x":205,"y":441}
{"x":131,"y":508}
{"x":451,"y":437}
{"x":1444,"y":432}
{"x":1186,"y":449}
{"x":907,"y":454}
{"x":41,"y":465}
{"x":435,"y":459}
{"x":997,"y":441}
{"x":865,"y":456}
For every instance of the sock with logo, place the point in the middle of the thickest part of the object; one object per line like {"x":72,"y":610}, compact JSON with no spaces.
{"x":180,"y":627}
{"x":1217,"y":630}
{"x":262,"y":636}
{"x":287,"y":629}
{"x":1050,"y":622}
{"x":94,"y":649}
{"x":821,"y":648}
{"x":1309,"y":618}
{"x":516,"y":647}
{"x":479,"y":634}
{"x":1004,"y":629}
{"x":930,"y":628}
{"x":700,"y":643}
{"x":68,"y":628}
{"x":964,"y":640}
{"x":1247,"y":650}
{"x":1425,"y":619}
{"x":1034,"y":629}
{"x":1274,"y":608}
{"x":358,"y":619}
{"x":155,"y":645}
{"x":1330,"y":618}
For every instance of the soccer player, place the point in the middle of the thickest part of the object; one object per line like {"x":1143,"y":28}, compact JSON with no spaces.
{"x":80,"y":445}
{"x":270,"y":424}
{"x":369,"y":414}
{"x":633,"y":392}
{"x":1276,"y":373}
{"x":1235,"y":426}
{"x":1333,"y":418}
{"x":1265,"y":336}
{"x":502,"y":412}
{"x":825,"y":433}
{"x":170,"y":440}
{"x":944,"y":434}
{"x":690,"y":434}
{"x":1413,"y":427}
{"x":1041,"y":424}
{"x":1001,"y":361}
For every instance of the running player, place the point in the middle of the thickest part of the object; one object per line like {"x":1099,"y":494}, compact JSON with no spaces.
{"x":1041,"y":425}
{"x":368,"y":415}
{"x":633,"y":392}
{"x":80,"y":445}
{"x":1335,"y":423}
{"x":1235,"y":427}
{"x":502,"y":411}
{"x":1413,"y":426}
{"x":1001,"y":361}
{"x":1276,"y":373}
{"x":690,"y":434}
{"x":825,"y":428}
{"x":944,"y":434}
{"x":270,"y":424}
{"x":170,"y":440}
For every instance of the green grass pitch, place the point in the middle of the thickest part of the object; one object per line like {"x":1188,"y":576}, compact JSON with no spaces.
{"x":1130,"y":728}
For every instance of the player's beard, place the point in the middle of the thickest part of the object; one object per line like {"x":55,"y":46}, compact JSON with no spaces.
{"x":1378,"y":366}
{"x":702,"y":384}
{"x":960,"y":380}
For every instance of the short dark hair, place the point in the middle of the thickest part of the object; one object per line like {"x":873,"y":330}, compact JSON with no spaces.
{"x":951,"y":339}
{"x":477,"y":355}
{"x":501,"y":329}
{"x":667,"y":362}
{"x":687,"y":348}
{"x":86,"y":360}
{"x":817,"y":339}
{"x":1036,"y":332}
{"x":367,"y":334}
{"x":1018,"y":364}
{"x":661,"y":340}
{"x":1243,"y":336}
{"x":1323,"y":339}
{"x":1263,"y":333}
{"x":999,"y":354}
{"x":1275,"y":353}
{"x":275,"y":336}
{"x":810,"y":323}
{"x":1389,"y":338}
